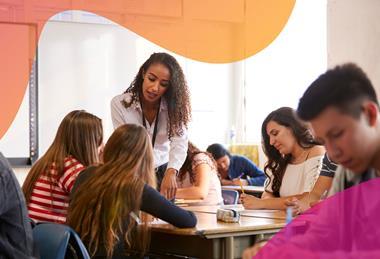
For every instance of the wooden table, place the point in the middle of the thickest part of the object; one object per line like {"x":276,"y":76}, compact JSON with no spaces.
{"x":212,"y":238}
{"x":270,"y":214}
{"x":254,"y":190}
{"x":186,"y":202}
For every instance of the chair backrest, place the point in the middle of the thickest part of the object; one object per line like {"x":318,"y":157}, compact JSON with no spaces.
{"x":230,"y":197}
{"x":55,"y":241}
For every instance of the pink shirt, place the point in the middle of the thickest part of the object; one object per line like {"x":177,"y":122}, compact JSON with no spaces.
{"x":214,"y":196}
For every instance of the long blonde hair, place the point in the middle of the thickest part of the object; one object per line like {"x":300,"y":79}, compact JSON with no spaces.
{"x":79,"y":135}
{"x":101,"y":205}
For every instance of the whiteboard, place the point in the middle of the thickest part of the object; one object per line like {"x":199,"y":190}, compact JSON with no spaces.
{"x":81,"y":66}
{"x":84,"y":65}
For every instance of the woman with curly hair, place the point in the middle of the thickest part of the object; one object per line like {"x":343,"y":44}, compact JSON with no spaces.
{"x":294,"y":160}
{"x":198,"y":178}
{"x":159,"y":99}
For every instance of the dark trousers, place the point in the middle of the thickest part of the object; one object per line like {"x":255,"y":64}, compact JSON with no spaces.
{"x":160,"y":172}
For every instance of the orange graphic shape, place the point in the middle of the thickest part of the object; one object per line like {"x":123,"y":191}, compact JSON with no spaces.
{"x":215,"y":31}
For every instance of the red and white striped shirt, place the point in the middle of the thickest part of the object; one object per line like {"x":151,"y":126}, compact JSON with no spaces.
{"x":49,"y":201}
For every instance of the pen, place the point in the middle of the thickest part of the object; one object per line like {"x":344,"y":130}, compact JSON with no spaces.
{"x":241,"y":175}
{"x":241,"y":186}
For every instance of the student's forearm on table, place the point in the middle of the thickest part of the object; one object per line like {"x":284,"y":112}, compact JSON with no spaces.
{"x":276,"y":203}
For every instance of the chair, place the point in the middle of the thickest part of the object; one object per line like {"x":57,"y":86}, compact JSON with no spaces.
{"x":230,"y":197}
{"x":57,"y":241}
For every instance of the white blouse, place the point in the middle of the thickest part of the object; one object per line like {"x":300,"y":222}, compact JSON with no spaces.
{"x":298,"y":178}
{"x":168,"y":151}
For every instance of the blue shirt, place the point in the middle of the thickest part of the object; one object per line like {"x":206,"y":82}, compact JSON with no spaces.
{"x":242,"y":165}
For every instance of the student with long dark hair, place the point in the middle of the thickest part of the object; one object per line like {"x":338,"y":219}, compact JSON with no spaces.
{"x":294,"y":160}
{"x":342,"y":108}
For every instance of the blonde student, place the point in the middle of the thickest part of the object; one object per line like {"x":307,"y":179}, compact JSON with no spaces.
{"x":294,"y":160}
{"x":198,"y":178}
{"x":77,"y":144}
{"x":105,"y":217}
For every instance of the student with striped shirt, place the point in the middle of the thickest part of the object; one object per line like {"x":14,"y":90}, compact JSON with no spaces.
{"x":78,"y":143}
{"x":107,"y":217}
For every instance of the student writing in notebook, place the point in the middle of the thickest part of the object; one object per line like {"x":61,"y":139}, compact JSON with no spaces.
{"x":294,"y":160}
{"x":343,"y":110}
{"x":235,"y":169}
{"x":198,"y":178}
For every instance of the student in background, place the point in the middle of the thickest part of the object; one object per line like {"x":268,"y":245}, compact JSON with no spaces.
{"x":198,"y":178}
{"x":294,"y":160}
{"x":77,"y":144}
{"x":106,"y":216}
{"x":234,"y":169}
{"x":159,"y":99}
{"x":16,"y":240}
{"x":343,"y":110}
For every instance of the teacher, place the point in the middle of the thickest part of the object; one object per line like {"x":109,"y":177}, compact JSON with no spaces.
{"x":159,"y":99}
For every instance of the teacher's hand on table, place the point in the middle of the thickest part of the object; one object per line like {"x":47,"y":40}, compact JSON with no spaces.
{"x":169,"y":184}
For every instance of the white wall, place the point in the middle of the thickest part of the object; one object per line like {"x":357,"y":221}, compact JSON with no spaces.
{"x":82,"y":66}
{"x":353,"y":35}
{"x":279,"y":74}
{"x":21,"y":173}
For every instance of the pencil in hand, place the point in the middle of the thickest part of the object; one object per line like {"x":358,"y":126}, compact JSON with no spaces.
{"x":241,"y":186}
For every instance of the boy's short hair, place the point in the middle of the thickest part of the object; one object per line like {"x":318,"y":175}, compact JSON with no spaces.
{"x":217,"y":151}
{"x":343,"y":87}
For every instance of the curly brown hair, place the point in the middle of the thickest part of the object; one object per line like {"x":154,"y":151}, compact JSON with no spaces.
{"x":277,"y":163}
{"x":177,"y":96}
